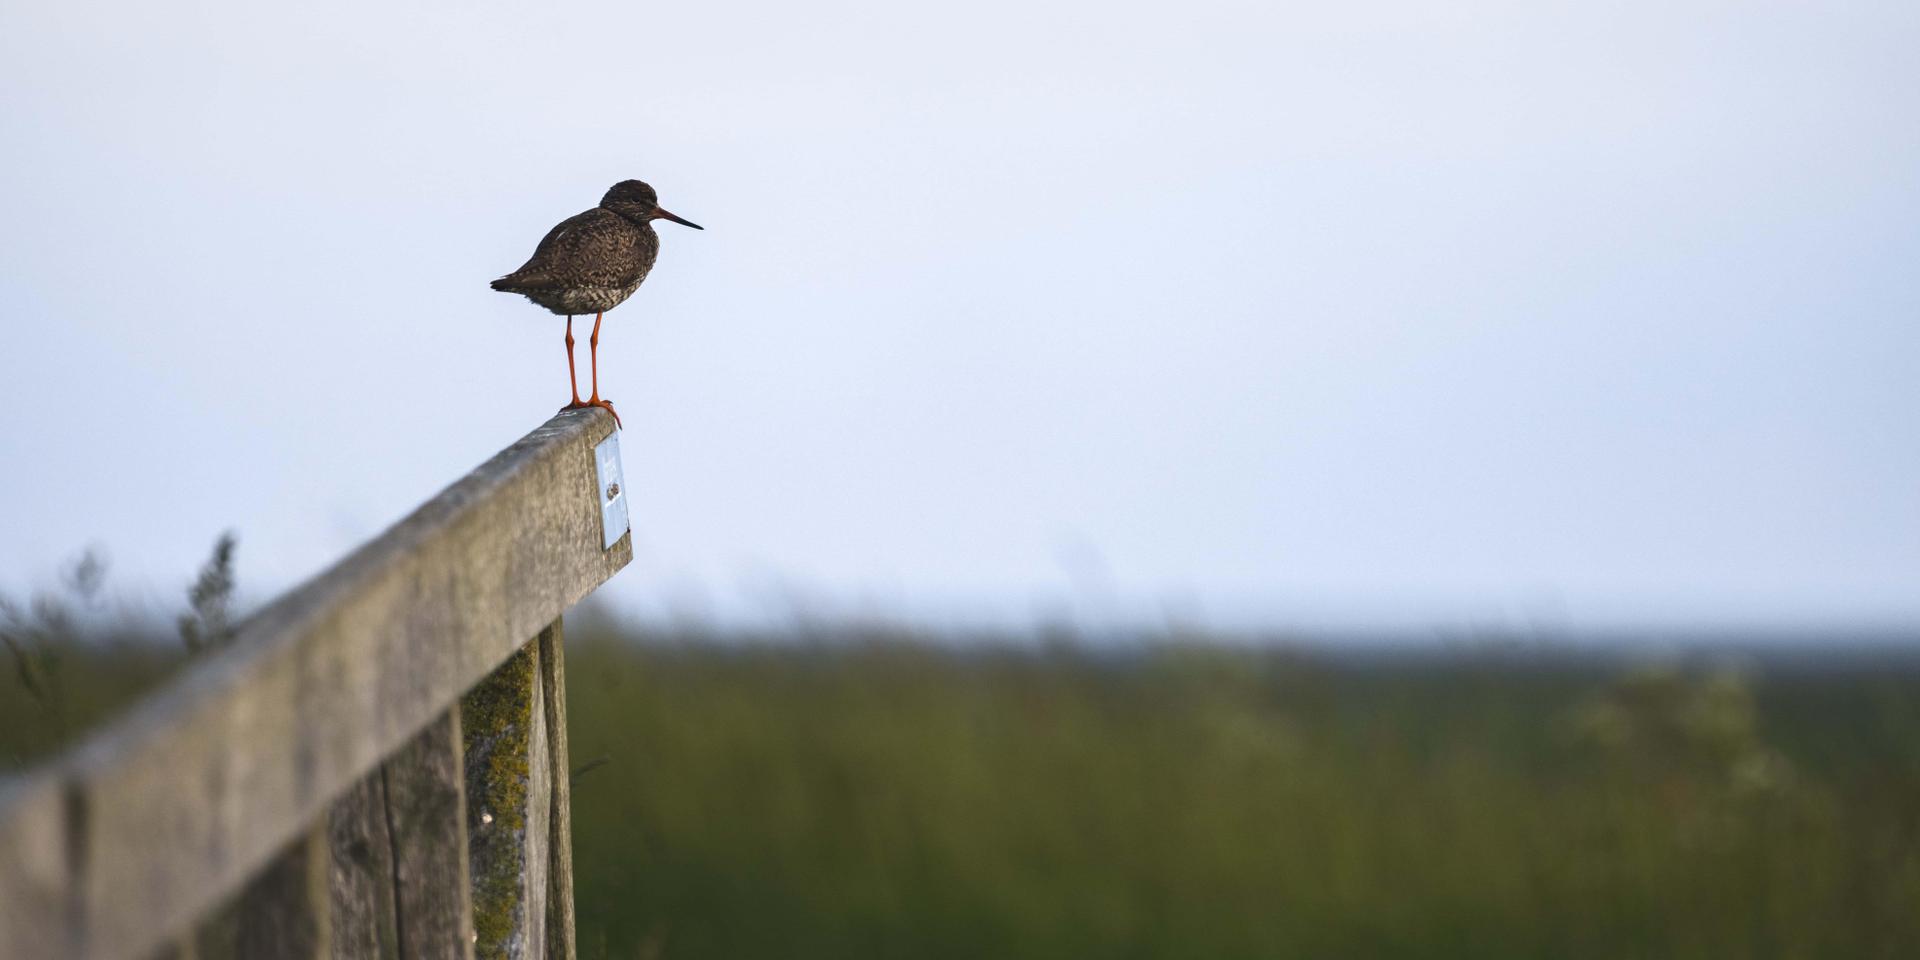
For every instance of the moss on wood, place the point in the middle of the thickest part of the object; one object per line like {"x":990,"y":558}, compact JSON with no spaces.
{"x":497,"y":717}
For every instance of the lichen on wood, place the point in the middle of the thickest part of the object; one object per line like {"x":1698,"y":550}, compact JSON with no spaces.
{"x":507,"y":807}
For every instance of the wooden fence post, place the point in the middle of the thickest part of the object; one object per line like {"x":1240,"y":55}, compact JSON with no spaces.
{"x":365,"y":924}
{"x":427,"y":816}
{"x":509,"y":807}
{"x":358,"y":765}
{"x":39,"y":914}
{"x":561,"y":941}
{"x":284,"y":912}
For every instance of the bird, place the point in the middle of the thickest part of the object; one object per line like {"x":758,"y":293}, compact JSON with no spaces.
{"x":592,"y":262}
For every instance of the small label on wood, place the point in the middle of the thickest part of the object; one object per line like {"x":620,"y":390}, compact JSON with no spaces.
{"x":613,"y":490}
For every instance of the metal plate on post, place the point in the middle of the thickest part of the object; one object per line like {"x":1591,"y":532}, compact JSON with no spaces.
{"x":613,"y":490}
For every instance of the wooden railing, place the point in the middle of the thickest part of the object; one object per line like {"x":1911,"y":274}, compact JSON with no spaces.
{"x":375,"y":767}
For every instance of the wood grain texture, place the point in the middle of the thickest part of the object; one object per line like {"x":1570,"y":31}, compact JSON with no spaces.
{"x":285,"y":910}
{"x":39,"y":915}
{"x":185,"y":948}
{"x":561,"y":939}
{"x":509,"y":803}
{"x":361,"y":877}
{"x":170,"y":809}
{"x":427,"y":818}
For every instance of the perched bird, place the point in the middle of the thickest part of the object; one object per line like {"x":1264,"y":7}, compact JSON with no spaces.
{"x":591,"y":263}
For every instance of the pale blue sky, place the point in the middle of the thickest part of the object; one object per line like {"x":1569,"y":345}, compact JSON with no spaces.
{"x":1347,"y":313}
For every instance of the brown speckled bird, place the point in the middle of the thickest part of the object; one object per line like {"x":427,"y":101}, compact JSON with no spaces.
{"x":591,"y":263}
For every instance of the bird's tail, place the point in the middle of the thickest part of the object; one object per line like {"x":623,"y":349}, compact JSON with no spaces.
{"x":522,"y":281}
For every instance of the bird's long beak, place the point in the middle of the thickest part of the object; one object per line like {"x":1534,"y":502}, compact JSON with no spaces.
{"x":662,"y":213}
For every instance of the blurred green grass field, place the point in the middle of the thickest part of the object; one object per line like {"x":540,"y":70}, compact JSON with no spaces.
{"x":878,"y":797}
{"x":896,"y":800}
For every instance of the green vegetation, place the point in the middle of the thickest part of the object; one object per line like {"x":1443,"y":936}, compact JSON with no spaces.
{"x":67,"y":662}
{"x":878,"y":797}
{"x":892,"y":800}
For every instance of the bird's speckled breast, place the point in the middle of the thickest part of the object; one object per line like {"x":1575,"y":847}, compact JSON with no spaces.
{"x":588,"y":299}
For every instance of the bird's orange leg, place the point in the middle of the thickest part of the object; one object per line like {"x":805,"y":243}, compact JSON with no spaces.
{"x":593,"y":345}
{"x":573,"y":380}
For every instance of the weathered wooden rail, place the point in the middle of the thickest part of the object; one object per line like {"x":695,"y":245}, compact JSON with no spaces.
{"x":376,"y":767}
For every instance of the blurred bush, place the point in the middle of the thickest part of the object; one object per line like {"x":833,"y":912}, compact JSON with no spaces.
{"x":71,"y":660}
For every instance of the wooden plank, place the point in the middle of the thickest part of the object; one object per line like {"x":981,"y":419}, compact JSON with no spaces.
{"x":509,"y":800}
{"x":427,"y":818}
{"x":561,"y":939}
{"x":284,"y":911}
{"x":39,"y":918}
{"x":185,"y":948}
{"x":175,"y":805}
{"x":361,"y":881}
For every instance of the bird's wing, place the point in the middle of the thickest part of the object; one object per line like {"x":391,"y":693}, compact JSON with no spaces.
{"x":584,"y":248}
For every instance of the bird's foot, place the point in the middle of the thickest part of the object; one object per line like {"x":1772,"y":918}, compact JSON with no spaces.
{"x":606,"y":405}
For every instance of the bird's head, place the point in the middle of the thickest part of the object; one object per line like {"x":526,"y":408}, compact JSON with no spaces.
{"x":637,"y":202}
